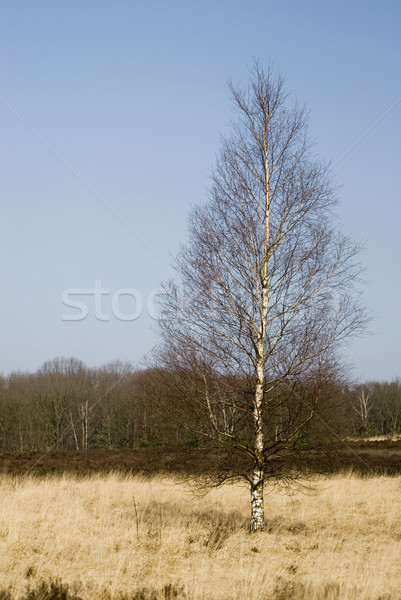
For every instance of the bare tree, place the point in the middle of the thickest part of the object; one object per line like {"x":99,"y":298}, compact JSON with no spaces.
{"x":386,"y":405}
{"x":363,"y":408}
{"x":264,"y":293}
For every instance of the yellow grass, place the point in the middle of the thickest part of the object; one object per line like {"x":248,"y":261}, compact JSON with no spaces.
{"x":121,"y":534}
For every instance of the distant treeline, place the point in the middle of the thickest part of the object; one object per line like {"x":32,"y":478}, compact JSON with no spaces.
{"x":68,"y":406}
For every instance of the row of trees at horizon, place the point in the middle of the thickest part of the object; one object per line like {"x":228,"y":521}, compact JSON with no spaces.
{"x":68,"y":406}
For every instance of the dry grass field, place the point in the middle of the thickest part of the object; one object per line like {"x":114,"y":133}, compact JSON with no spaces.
{"x":114,"y":535}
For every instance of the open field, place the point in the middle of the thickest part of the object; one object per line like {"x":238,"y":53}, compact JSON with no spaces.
{"x":150,"y":538}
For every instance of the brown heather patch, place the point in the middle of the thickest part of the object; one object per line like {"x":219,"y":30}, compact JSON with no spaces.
{"x":365,"y":457}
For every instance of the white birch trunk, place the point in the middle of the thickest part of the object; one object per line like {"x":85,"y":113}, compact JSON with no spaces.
{"x":257,"y":505}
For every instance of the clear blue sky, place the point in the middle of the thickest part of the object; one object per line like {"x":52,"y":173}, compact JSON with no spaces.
{"x":133,"y":96}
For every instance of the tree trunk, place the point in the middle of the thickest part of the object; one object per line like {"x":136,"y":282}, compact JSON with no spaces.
{"x":257,"y":506}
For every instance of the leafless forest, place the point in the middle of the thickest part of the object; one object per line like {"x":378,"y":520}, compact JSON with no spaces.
{"x":68,"y":406}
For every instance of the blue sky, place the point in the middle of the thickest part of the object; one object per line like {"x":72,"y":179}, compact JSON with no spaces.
{"x":133,"y":97}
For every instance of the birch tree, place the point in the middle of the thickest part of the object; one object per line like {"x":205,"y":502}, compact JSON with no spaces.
{"x":263,"y":296}
{"x":363,"y":408}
